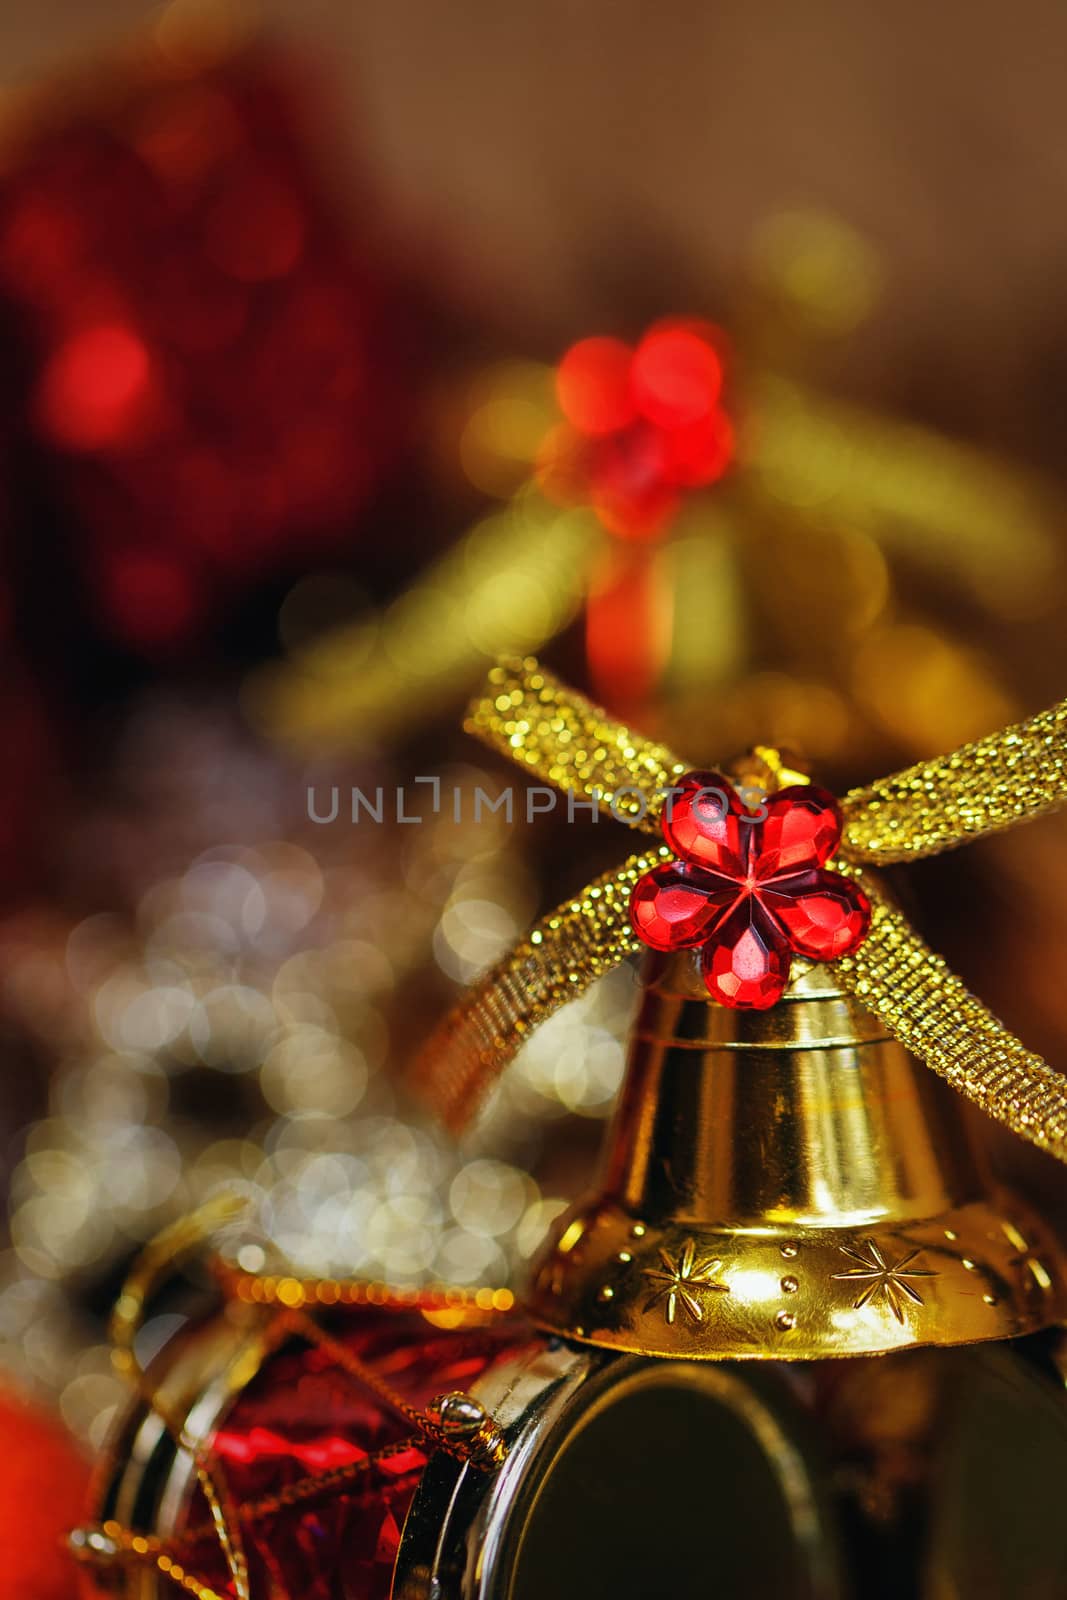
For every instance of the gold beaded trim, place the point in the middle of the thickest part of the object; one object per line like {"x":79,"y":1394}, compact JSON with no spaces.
{"x":109,"y":1544}
{"x":433,"y":1299}
{"x":556,"y":734}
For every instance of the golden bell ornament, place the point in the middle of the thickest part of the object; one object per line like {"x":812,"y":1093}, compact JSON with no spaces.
{"x":784,"y":1197}
{"x":788,"y":1184}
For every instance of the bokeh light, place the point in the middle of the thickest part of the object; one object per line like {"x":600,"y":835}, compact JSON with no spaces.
{"x":97,"y":389}
{"x":238,"y":1027}
{"x":595,"y":386}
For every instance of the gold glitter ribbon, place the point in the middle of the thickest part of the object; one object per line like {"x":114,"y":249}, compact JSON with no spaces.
{"x":558,"y":736}
{"x":555,"y":734}
{"x":935,"y":1016}
{"x":556,"y":962}
{"x":981,"y":788}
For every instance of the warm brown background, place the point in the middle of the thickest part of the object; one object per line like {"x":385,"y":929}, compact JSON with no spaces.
{"x":536,"y":144}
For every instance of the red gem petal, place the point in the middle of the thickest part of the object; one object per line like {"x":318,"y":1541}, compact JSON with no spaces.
{"x":824,"y":914}
{"x":801,"y":829}
{"x":705,"y":823}
{"x":675,"y":907}
{"x":746,"y":962}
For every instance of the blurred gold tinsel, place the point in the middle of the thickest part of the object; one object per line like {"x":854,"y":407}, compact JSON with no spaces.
{"x":231,"y":1031}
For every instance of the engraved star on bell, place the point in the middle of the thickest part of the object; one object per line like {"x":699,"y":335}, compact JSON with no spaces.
{"x":873,"y":1275}
{"x":678,"y":1281}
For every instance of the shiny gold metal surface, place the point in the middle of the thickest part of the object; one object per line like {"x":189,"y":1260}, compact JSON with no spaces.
{"x":788,"y":1184}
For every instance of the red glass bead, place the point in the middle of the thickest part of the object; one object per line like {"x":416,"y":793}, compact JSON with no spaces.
{"x":97,"y":389}
{"x":705,"y":823}
{"x":675,"y":907}
{"x":627,"y":484}
{"x":824,"y":914}
{"x":746,"y":965}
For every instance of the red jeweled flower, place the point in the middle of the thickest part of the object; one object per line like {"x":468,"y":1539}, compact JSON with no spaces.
{"x":750,"y":888}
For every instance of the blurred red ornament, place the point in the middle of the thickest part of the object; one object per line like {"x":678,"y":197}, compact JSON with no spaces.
{"x":676,"y":376}
{"x":642,"y":425}
{"x":216,"y":379}
{"x":44,"y":1483}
